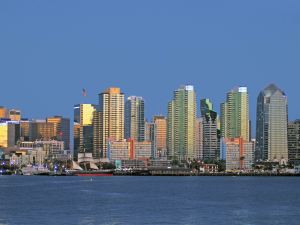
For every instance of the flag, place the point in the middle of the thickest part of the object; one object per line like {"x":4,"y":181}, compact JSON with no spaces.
{"x":84,"y":92}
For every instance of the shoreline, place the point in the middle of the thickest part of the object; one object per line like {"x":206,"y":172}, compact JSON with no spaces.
{"x":135,"y":173}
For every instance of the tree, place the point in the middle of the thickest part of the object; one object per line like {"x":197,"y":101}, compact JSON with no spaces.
{"x":108,"y":166}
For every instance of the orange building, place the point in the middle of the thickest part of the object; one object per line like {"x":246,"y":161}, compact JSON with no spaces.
{"x":161,"y":134}
{"x":3,"y":112}
{"x":239,"y":154}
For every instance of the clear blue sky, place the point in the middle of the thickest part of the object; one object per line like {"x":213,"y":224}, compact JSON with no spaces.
{"x":50,"y":50}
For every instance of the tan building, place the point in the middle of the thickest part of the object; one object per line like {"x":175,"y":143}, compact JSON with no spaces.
{"x":142,"y":150}
{"x":129,"y":150}
{"x":119,"y":150}
{"x":111,"y":119}
{"x":15,"y":114}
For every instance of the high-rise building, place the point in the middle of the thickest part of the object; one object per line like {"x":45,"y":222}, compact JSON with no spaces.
{"x":151,"y":136}
{"x":198,"y":151}
{"x":210,"y":128}
{"x":161,"y":135}
{"x":271,"y":124}
{"x":294,"y":141}
{"x":3,"y":112}
{"x":111,"y":120}
{"x":61,"y":128}
{"x":15,"y":114}
{"x":97,"y":132}
{"x":41,"y":130}
{"x":9,"y":133}
{"x":83,"y":120}
{"x":235,"y":114}
{"x":76,"y":139}
{"x":25,"y":129}
{"x":181,"y":123}
{"x":135,"y":118}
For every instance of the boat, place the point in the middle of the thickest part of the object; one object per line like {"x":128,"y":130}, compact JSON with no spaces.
{"x":92,"y":171}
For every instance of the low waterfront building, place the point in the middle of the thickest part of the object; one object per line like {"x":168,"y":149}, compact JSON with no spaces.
{"x":239,"y":154}
{"x":129,"y":150}
{"x":160,"y":163}
{"x":44,"y":150}
{"x":119,"y":150}
{"x":210,"y":168}
{"x":134,"y":164}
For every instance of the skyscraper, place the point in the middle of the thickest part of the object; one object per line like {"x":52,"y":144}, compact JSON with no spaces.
{"x":61,"y":127}
{"x":76,"y":139}
{"x":83,"y":120}
{"x":25,"y":129}
{"x":198,"y":151}
{"x":151,"y":136}
{"x":294,"y":141}
{"x":161,"y":135}
{"x":210,"y":127}
{"x":9,"y":133}
{"x":111,"y":119}
{"x":97,"y":131}
{"x":181,"y":123}
{"x":135,"y":118}
{"x":271,"y":124}
{"x":235,"y":114}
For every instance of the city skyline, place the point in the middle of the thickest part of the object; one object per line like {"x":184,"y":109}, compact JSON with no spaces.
{"x":149,"y":112}
{"x":96,"y":127}
{"x":217,"y":108}
{"x":147,"y":50}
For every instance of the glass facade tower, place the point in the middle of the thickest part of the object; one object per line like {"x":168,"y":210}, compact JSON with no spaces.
{"x":271,"y":124}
